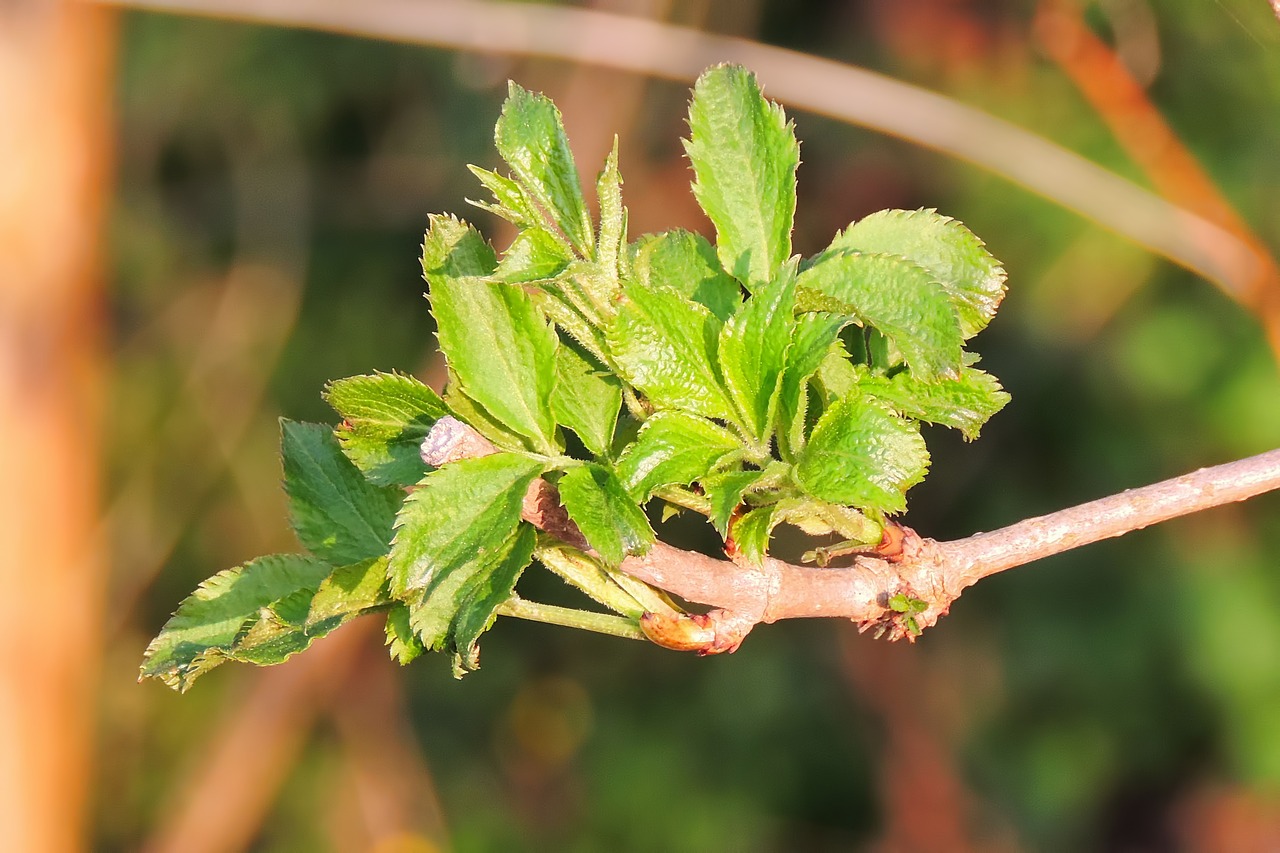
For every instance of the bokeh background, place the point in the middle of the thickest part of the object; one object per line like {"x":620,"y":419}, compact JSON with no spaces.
{"x":202,"y":220}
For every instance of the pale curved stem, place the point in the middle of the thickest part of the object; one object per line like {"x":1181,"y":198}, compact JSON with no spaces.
{"x":844,"y":92}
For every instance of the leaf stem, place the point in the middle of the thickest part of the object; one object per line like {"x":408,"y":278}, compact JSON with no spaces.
{"x":581,"y":571}
{"x":634,"y":406}
{"x":601,"y":623}
{"x":684,"y":498}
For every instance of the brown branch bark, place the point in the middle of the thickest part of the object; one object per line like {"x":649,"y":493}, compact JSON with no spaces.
{"x":745,"y":594}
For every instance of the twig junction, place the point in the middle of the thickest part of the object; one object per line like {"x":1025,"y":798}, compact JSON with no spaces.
{"x":745,"y":594}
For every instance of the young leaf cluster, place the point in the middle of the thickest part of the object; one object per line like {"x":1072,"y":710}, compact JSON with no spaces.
{"x":733,"y":379}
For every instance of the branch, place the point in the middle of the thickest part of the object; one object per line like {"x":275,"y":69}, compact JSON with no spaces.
{"x":985,"y":554}
{"x":934,"y":573}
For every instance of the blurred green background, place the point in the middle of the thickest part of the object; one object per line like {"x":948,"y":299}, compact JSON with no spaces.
{"x":271,"y":191}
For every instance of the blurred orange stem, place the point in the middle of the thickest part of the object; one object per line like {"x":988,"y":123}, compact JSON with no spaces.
{"x":56,"y":73}
{"x":1105,"y":81}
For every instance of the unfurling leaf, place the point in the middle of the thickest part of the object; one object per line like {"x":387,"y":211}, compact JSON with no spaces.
{"x":338,"y":515}
{"x":385,"y":417}
{"x":611,"y":242}
{"x":530,"y":137}
{"x":457,"y":518}
{"x":673,"y":449}
{"x":510,"y":201}
{"x":863,"y":455}
{"x":950,"y":252}
{"x":897,"y":298}
{"x":609,"y":518}
{"x":907,"y":604}
{"x":744,"y":155}
{"x":497,"y":343}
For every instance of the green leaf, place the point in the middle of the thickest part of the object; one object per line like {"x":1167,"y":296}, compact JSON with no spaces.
{"x":580,"y":290}
{"x":751,"y":532}
{"x":470,"y":412}
{"x":209,"y":627}
{"x":291,"y":611}
{"x":511,"y":202}
{"x":402,"y":643}
{"x":607,"y":515}
{"x":453,"y":249}
{"x":554,"y":299}
{"x":899,"y":298}
{"x":482,"y":596}
{"x":724,"y":492}
{"x":663,"y":344}
{"x":273,"y":638}
{"x":535,"y":254}
{"x":452,"y":523}
{"x":435,"y":611}
{"x":686,"y":263}
{"x":347,"y":593}
{"x":863,"y":455}
{"x":586,"y":399}
{"x":744,"y":155}
{"x":905,"y":604}
{"x":952,"y":253}
{"x":812,"y":341}
{"x":753,"y":351}
{"x":836,"y":376}
{"x":385,"y":418}
{"x":673,"y":448}
{"x":496,"y":341}
{"x":964,"y":404}
{"x":338,"y":515}
{"x":530,"y":137}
